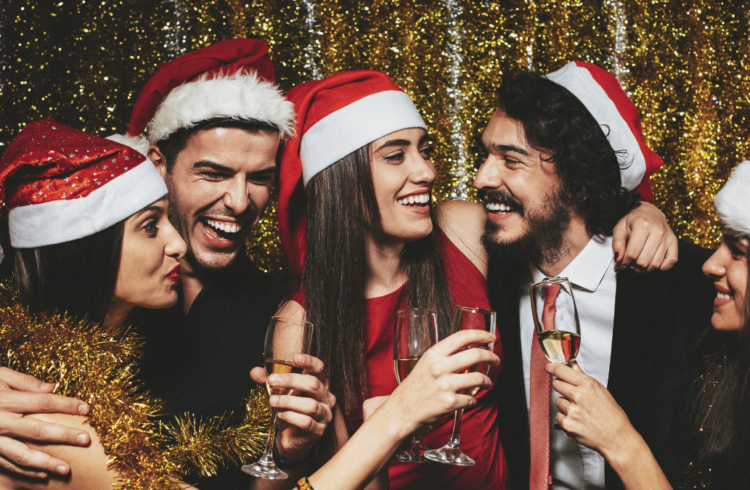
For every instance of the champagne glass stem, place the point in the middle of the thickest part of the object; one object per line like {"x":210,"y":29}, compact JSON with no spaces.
{"x":267,"y":457}
{"x":456,"y":431}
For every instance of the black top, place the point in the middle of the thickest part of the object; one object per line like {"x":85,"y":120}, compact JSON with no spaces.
{"x":200,"y":362}
{"x":658,"y":320}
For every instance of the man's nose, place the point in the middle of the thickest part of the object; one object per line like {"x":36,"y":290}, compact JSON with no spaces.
{"x":236,"y":195}
{"x":489,"y":175}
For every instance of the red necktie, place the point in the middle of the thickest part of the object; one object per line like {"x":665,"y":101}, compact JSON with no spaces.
{"x":539,"y":391}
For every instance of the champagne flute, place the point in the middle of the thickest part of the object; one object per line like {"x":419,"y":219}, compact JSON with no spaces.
{"x":284,"y":339}
{"x":464,"y":318}
{"x":556,"y":320}
{"x":414,"y":333}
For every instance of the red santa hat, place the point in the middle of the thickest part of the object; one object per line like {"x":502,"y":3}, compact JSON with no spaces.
{"x":232,"y":78}
{"x":62,"y":184}
{"x":733,"y":200}
{"x":335,"y":116}
{"x":605,"y":99}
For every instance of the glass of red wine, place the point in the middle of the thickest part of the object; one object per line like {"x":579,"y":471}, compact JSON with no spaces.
{"x":556,"y":320}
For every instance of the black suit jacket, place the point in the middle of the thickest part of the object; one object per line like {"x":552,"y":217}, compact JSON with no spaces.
{"x":658,"y":319}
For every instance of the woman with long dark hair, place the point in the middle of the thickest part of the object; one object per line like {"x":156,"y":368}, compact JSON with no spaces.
{"x":358,"y":228}
{"x":88,"y":222}
{"x":720,"y":431}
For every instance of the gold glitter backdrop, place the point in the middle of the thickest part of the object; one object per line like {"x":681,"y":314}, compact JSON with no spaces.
{"x":685,"y":63}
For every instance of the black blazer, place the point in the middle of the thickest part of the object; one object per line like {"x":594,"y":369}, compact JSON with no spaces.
{"x":658,"y":319}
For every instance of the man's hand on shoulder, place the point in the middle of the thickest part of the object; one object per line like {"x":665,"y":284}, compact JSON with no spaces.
{"x":643,"y":240}
{"x":21,"y":394}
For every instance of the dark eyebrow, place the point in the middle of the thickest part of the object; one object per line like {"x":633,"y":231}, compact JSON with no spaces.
{"x":264,"y":171}
{"x":155,"y":209}
{"x":212,"y":165}
{"x":218,"y":167}
{"x":395,"y":143}
{"x":495,"y":148}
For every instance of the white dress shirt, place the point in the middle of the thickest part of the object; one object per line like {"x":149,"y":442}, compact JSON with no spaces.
{"x":592,"y":276}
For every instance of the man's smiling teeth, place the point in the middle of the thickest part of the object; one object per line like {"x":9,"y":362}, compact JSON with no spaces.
{"x":494,"y":207}
{"x":721,"y":295}
{"x":420,"y":199}
{"x":225,"y":227}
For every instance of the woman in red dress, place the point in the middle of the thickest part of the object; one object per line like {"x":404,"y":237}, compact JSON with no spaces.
{"x":358,"y":228}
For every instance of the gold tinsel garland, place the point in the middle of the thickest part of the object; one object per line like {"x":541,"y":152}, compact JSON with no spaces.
{"x":99,"y":366}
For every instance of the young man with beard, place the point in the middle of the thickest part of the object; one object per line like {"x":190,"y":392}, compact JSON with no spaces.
{"x":215,"y":120}
{"x":552,"y":187}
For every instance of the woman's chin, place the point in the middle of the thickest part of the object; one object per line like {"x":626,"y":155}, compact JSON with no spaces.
{"x":723,"y":323}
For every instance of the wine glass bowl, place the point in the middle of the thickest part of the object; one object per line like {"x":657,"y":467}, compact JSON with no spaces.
{"x":465,"y":318}
{"x":556,"y":322}
{"x":285,"y":338}
{"x":415,"y":331}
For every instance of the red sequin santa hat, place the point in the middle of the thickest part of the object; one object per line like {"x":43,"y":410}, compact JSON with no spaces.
{"x":62,"y":184}
{"x":232,"y":78}
{"x":335,"y":116}
{"x":605,"y":99}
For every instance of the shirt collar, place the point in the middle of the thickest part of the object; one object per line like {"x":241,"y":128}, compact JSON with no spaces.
{"x":588,"y":268}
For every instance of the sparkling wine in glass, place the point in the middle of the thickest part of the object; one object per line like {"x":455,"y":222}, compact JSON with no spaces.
{"x":415,"y":332}
{"x":464,"y":318}
{"x":284,"y":339}
{"x":556,"y":320}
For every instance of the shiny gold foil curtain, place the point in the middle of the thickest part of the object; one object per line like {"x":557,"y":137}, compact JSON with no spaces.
{"x":685,"y":63}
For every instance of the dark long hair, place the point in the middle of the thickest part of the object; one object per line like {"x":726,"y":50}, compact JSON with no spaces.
{"x":78,"y":276}
{"x":556,"y":121}
{"x":341,"y":210}
{"x":721,"y":411}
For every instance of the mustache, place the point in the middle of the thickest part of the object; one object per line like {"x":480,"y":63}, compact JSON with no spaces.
{"x":249,"y":215}
{"x":501,"y":196}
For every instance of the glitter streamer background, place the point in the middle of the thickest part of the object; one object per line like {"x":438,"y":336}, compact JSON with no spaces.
{"x":685,"y":63}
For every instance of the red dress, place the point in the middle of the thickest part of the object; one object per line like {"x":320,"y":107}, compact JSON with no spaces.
{"x":479,"y":431}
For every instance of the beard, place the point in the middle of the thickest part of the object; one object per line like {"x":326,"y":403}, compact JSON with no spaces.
{"x":542,"y":242}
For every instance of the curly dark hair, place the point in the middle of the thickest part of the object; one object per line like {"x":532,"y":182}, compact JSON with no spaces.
{"x":556,"y":122}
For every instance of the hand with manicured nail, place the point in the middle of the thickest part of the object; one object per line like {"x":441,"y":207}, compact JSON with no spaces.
{"x":304,"y":415}
{"x":21,"y":395}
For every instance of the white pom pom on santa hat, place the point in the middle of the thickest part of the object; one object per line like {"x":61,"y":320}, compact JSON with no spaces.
{"x":733,"y":200}
{"x":232,"y":79}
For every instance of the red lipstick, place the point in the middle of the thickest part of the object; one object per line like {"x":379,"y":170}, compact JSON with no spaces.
{"x":174,"y":274}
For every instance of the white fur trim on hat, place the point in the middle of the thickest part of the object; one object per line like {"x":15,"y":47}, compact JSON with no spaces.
{"x":733,"y":200}
{"x":138,"y":143}
{"x":580,"y":82}
{"x":354,"y":126}
{"x":240,"y":96}
{"x":54,"y":222}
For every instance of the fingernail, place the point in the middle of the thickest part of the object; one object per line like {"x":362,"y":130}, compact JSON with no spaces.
{"x":273,"y":379}
{"x":61,"y":469}
{"x":82,"y":439}
{"x":40,"y":475}
{"x":47,"y":386}
{"x":83,"y":408}
{"x":273,"y":400}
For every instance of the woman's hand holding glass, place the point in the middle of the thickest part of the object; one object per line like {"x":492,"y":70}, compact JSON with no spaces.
{"x":304,"y":415}
{"x":435,"y":386}
{"x":589,"y":413}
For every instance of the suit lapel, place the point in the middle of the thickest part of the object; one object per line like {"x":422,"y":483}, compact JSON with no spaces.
{"x":509,"y":391}
{"x":638,"y":318}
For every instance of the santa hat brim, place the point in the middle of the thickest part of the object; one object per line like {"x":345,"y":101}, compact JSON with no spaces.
{"x":241,"y":96}
{"x":733,"y":200}
{"x":61,"y":221}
